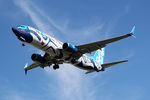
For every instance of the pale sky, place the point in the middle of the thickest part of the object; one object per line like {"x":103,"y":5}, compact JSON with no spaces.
{"x":78,"y":22}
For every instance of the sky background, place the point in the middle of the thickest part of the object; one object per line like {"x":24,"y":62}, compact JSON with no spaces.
{"x":78,"y":22}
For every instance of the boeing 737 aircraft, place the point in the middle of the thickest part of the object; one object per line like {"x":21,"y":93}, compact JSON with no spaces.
{"x":57,"y":52}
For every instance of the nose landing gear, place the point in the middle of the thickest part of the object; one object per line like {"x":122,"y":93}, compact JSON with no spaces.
{"x":56,"y":66}
{"x":23,"y":44}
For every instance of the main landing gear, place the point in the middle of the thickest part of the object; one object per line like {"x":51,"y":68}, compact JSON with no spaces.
{"x":56,"y":66}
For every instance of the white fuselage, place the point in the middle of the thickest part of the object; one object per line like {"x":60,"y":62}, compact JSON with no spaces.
{"x":57,"y":52}
{"x":52,"y":46}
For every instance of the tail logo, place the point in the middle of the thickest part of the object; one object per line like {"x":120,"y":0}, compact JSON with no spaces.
{"x":99,"y":56}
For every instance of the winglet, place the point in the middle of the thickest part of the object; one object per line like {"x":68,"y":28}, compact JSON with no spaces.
{"x":133,"y":31}
{"x":25,"y":72}
{"x":25,"y":68}
{"x":26,"y":65}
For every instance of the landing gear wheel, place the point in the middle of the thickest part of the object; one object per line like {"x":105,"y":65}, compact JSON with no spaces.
{"x":23,"y":44}
{"x":55,"y":67}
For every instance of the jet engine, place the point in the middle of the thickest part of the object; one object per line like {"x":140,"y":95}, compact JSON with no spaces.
{"x":37,"y":58}
{"x":70,"y":47}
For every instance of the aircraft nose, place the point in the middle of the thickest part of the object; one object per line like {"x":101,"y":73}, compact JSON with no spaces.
{"x":15,"y":31}
{"x":22,"y":35}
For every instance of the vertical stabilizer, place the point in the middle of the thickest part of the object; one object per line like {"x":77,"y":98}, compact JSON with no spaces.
{"x":99,"y":56}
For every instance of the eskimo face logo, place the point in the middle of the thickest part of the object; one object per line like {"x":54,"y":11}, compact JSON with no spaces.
{"x":44,"y":37}
{"x":36,"y":35}
{"x":34,"y":31}
{"x":99,"y":56}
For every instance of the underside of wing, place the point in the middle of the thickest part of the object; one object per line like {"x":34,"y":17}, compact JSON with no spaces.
{"x":113,"y":63}
{"x":87,"y":48}
{"x":34,"y":65}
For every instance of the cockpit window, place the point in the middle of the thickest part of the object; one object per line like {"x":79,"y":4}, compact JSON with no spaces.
{"x":22,"y":27}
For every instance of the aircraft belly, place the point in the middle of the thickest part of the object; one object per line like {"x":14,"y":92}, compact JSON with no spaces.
{"x":85,"y":63}
{"x":84,"y":67}
{"x":81,"y":65}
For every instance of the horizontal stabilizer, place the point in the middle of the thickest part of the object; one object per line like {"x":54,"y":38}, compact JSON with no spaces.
{"x":90,"y":71}
{"x":107,"y":65}
{"x":113,"y":63}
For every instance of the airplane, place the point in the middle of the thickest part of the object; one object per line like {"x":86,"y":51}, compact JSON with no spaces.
{"x":57,"y":53}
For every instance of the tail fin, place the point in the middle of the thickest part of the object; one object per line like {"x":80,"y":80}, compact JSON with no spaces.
{"x":99,"y":56}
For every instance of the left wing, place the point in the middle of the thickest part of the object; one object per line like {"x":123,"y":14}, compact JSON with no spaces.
{"x":87,"y":48}
{"x":47,"y":62}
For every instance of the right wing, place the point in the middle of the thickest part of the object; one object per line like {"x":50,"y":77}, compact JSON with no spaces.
{"x":87,"y":48}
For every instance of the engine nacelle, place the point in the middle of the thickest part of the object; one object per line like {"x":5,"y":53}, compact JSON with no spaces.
{"x":37,"y":58}
{"x":70,"y":48}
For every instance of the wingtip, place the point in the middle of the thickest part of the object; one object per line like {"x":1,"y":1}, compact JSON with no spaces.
{"x":125,"y":60}
{"x":25,"y":68}
{"x":26,"y":65}
{"x":133,"y":30}
{"x":25,"y":72}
